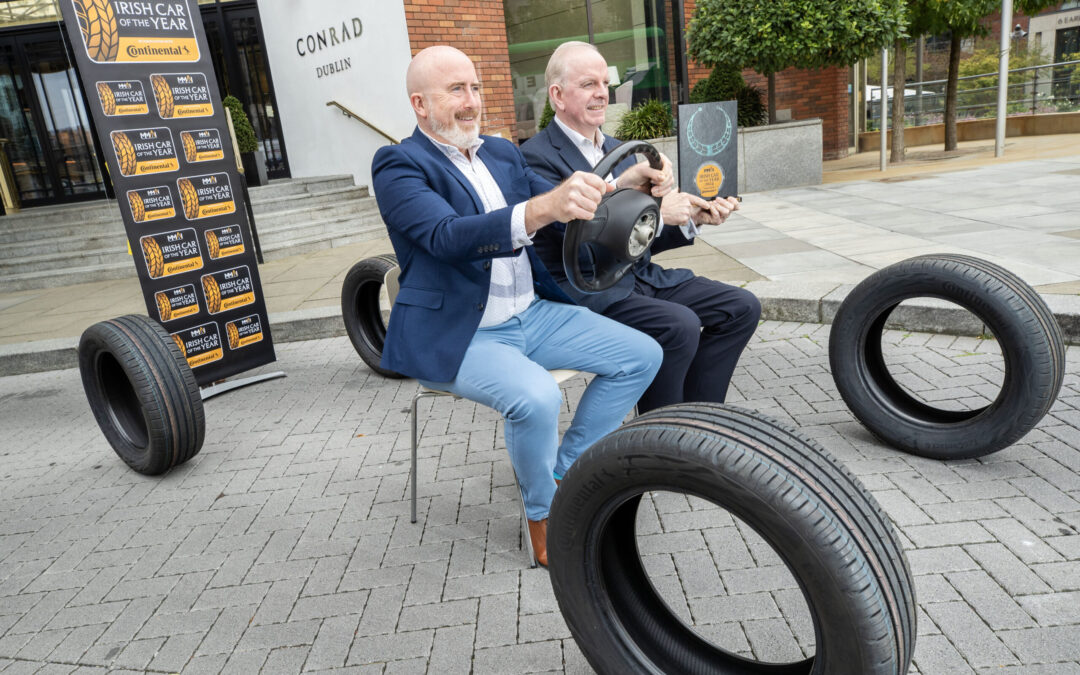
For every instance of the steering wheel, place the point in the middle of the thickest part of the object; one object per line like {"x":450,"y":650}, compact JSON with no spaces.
{"x":619,"y":233}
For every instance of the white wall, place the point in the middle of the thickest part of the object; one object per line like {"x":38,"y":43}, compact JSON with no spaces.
{"x":320,"y":140}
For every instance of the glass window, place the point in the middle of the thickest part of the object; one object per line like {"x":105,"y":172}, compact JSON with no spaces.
{"x":629,"y":33}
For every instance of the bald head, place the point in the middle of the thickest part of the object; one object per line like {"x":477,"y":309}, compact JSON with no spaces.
{"x":444,"y":91}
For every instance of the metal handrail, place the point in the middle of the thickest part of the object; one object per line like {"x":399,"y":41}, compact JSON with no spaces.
{"x":348,"y":113}
{"x":909,"y":85}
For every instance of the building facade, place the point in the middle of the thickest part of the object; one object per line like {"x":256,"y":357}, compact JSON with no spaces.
{"x":308,"y":71}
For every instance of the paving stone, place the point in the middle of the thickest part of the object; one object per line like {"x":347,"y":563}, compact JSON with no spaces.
{"x":289,"y":547}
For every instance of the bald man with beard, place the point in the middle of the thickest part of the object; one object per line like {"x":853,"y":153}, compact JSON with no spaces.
{"x":477,"y":313}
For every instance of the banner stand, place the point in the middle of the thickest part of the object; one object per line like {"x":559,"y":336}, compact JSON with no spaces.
{"x":229,"y":385}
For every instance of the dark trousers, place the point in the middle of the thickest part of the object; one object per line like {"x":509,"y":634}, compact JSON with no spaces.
{"x":702,"y":325}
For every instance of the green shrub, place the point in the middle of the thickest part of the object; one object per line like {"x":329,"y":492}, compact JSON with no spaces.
{"x":245,"y":134}
{"x":651,"y":119}
{"x":752,"y":110}
{"x":722,"y":84}
{"x":725,"y":83}
{"x":546,"y":116}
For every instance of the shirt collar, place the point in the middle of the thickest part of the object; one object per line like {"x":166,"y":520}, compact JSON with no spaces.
{"x":597,"y":141}
{"x":451,"y":151}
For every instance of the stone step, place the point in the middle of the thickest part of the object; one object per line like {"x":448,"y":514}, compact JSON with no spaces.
{"x":57,"y":268}
{"x":292,"y":186}
{"x":111,"y":235}
{"x":126,"y":268}
{"x":99,"y":223}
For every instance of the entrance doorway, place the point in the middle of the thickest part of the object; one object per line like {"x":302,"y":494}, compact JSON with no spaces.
{"x":236,"y":46}
{"x":49,"y":140}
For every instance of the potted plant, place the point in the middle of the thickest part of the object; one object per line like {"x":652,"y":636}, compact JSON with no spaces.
{"x":251,"y":155}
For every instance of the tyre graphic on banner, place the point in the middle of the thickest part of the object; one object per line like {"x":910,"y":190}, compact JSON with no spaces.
{"x":136,"y":32}
{"x":145,"y":69}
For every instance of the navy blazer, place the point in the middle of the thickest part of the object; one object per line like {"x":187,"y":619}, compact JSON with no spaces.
{"x":444,"y":244}
{"x":554,"y":156}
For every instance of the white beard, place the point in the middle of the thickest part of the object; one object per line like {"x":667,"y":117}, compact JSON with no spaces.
{"x":455,"y":135}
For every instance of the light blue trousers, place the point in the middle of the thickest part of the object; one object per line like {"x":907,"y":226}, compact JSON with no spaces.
{"x":505,"y":368}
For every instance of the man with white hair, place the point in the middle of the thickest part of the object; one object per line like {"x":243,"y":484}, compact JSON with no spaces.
{"x":703,"y":325}
{"x":477,"y":314}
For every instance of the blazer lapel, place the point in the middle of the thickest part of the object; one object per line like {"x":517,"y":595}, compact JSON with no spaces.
{"x":424,"y":142}
{"x":566,"y":149}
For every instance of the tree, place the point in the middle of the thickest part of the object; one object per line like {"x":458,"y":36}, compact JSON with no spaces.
{"x":771,"y":36}
{"x":963,"y":19}
{"x":920,"y":20}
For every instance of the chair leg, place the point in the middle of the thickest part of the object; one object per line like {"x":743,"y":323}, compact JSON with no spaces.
{"x":524,"y":521}
{"x":412,"y":470}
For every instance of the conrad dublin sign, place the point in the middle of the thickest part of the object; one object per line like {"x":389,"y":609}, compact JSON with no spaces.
{"x":328,"y":39}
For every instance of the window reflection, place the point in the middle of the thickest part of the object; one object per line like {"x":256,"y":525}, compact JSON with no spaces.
{"x":631,"y":34}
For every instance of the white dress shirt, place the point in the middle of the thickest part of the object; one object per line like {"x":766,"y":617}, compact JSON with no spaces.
{"x":511,"y":290}
{"x":592,"y":149}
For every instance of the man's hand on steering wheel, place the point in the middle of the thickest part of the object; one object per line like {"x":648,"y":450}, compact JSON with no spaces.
{"x":641,"y":176}
{"x":576,"y":198}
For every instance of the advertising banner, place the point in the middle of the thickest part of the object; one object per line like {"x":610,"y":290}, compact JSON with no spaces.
{"x":147,"y":74}
{"x":708,"y":149}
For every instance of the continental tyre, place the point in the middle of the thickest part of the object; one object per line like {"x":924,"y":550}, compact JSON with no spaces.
{"x":97,"y":22}
{"x":108,"y":101}
{"x":1026,"y":331}
{"x":189,"y":197}
{"x":827,"y":529}
{"x":125,"y":153}
{"x":142,"y":392}
{"x":163,"y":95}
{"x":362,"y":312}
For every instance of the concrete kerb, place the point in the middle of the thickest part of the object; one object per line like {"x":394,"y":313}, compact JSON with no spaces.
{"x":780,"y":301}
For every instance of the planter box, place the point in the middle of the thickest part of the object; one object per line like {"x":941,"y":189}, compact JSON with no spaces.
{"x":981,"y":129}
{"x":770,"y":157}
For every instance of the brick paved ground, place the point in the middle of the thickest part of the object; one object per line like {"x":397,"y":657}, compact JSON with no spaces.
{"x":285,"y":546}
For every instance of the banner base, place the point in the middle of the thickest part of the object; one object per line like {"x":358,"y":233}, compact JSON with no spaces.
{"x":222,"y":387}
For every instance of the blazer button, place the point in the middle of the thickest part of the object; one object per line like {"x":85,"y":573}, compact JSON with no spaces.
{"x":479,"y":306}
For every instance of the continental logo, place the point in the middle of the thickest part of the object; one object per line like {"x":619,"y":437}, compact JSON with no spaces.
{"x":122,"y":97}
{"x":180,"y":95}
{"x":176,"y":303}
{"x":222,"y":242}
{"x":228,"y":289}
{"x":243,"y":332}
{"x":206,"y":195}
{"x":144,"y":151}
{"x":202,"y":145}
{"x":169,"y":253}
{"x":200,"y":345}
{"x":116,"y":31}
{"x":150,"y":204}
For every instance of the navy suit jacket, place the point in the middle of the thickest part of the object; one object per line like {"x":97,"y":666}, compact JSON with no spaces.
{"x":554,"y":156}
{"x":444,"y":244}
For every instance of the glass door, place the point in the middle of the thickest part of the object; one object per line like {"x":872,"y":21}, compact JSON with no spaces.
{"x":243,"y":71}
{"x":49,"y":140}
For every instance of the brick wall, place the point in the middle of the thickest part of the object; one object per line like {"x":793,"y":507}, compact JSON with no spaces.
{"x":808,"y":93}
{"x":476,"y":27}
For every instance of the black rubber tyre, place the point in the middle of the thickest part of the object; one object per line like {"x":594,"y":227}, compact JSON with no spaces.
{"x":361,"y":311}
{"x":826,"y":527}
{"x":143,"y":393}
{"x":1029,"y":337}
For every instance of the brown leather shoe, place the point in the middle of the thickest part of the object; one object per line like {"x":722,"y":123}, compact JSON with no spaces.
{"x":558,"y":482}
{"x":538,"y":536}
